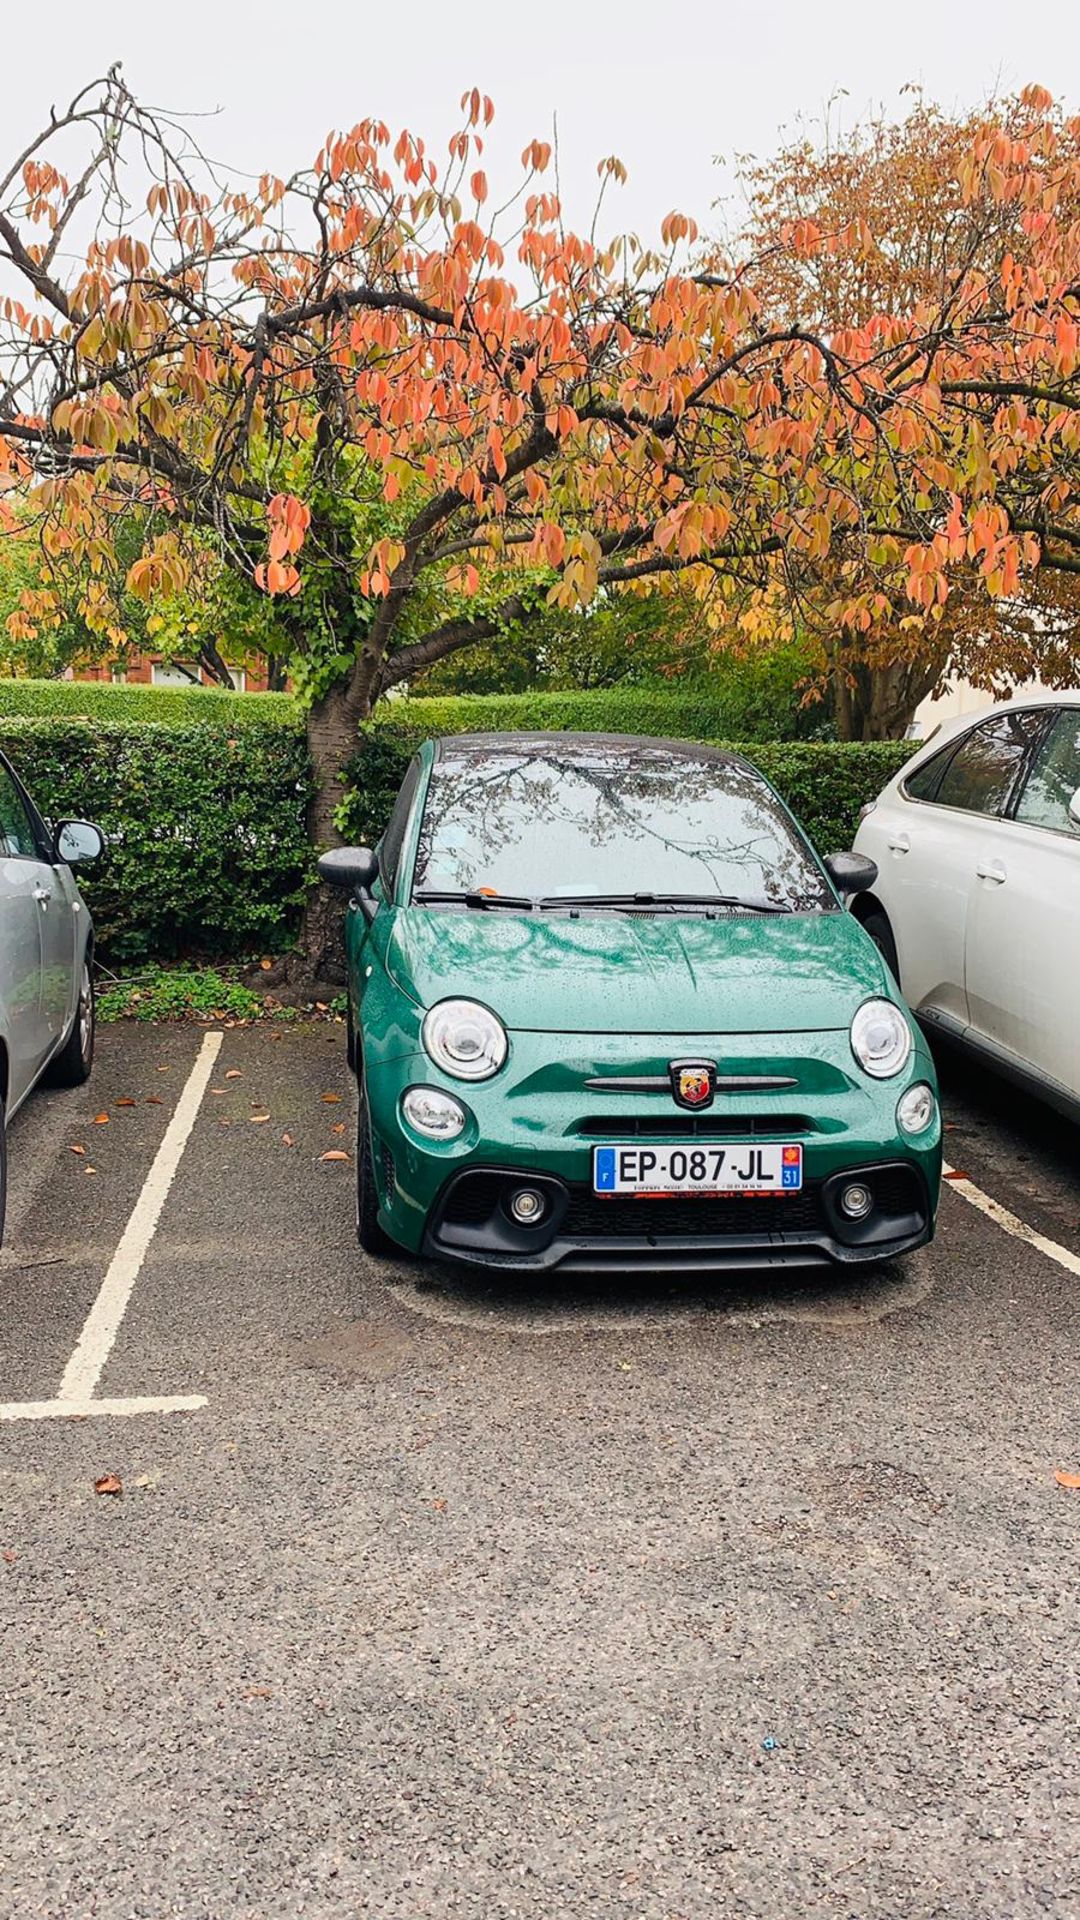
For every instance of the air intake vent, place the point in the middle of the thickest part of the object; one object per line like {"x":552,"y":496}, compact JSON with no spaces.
{"x":696,"y":1126}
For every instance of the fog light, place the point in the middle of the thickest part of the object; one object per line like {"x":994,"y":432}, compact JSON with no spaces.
{"x":432,"y":1112}
{"x":856,"y":1201}
{"x":527,"y":1206}
{"x":916,"y":1109}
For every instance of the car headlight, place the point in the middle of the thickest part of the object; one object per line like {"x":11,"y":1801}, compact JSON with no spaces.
{"x":916,"y":1109}
{"x":432,"y":1112}
{"x":464,"y":1039}
{"x":880,"y":1039}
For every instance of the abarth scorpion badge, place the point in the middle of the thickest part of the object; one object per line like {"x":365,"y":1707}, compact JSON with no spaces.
{"x":693,"y":1082}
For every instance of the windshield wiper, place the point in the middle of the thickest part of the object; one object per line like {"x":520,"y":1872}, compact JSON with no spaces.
{"x":663,"y":900}
{"x":433,"y":896}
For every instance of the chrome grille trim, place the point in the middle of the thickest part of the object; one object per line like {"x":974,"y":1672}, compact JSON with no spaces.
{"x":661,"y":1082}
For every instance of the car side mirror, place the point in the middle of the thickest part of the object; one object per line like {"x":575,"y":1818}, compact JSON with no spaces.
{"x":76,"y":841}
{"x":851,"y":872}
{"x":1074,"y":808}
{"x":353,"y":869}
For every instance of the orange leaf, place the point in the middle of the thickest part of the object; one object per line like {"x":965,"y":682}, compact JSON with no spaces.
{"x":78,"y":1149}
{"x":330,"y":1098}
{"x":101,"y":1119}
{"x":108,"y":1483}
{"x":125,"y":1103}
{"x":335,"y":1153}
{"x":1066,"y":1479}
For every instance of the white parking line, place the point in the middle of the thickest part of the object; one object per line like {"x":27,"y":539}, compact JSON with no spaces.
{"x":1009,"y":1222}
{"x":84,"y":1369}
{"x":86,"y":1409}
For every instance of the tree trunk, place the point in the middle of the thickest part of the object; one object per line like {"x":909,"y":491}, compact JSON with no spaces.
{"x":210,"y":658}
{"x":317,"y":963}
{"x":879,"y":703}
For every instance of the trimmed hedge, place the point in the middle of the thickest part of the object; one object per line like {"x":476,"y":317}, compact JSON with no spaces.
{"x":136,"y":705}
{"x":824,"y":782}
{"x":207,"y":848}
{"x":205,"y":819}
{"x":719,"y":711}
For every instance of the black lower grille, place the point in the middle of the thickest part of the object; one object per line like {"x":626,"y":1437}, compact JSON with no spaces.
{"x":678,"y":1218}
{"x":473,"y":1199}
{"x":389,"y":1170}
{"x":895,"y":1189}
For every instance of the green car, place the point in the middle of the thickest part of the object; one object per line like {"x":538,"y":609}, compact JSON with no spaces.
{"x":607,"y":1011}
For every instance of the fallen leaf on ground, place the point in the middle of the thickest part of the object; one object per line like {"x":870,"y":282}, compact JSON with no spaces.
{"x":125,"y":1103}
{"x":331,"y":1099}
{"x":164,"y":1069}
{"x":266,"y":965}
{"x":234,"y":1073}
{"x":76,"y":1149}
{"x":1066,"y":1479}
{"x":258,"y":1693}
{"x":101,"y":1119}
{"x":339,"y":1128}
{"x":257,"y":1119}
{"x":108,"y":1483}
{"x":89,"y":1169}
{"x":10,"y":1556}
{"x":335,"y":1153}
{"x":218,"y":1089}
{"x":153,"y":1101}
{"x":287,"y":1140}
{"x":955,"y":1173}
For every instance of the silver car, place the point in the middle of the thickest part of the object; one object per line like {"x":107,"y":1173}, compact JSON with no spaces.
{"x":46,"y":953}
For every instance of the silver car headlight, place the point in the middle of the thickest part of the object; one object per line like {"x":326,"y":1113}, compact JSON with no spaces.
{"x":880,"y":1039}
{"x":465,"y":1039}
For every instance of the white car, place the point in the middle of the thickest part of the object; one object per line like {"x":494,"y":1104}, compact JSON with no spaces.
{"x":976,"y":906}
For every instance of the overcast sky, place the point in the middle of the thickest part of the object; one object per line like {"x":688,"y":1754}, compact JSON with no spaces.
{"x":666,"y":87}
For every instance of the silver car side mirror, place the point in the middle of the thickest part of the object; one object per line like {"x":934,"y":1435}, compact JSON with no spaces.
{"x":77,"y":840}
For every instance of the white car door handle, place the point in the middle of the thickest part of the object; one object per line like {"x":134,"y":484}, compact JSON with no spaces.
{"x":43,"y":895}
{"x":992,"y":870}
{"x":900,"y":844}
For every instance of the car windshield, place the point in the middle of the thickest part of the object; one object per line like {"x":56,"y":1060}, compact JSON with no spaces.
{"x":594,"y":822}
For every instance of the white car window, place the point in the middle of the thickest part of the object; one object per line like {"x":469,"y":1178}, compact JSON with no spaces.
{"x":982,"y":772}
{"x":16,"y":833}
{"x":1054,"y":777}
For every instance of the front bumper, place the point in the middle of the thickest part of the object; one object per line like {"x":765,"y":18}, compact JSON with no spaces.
{"x":583,"y":1232}
{"x":537,"y":1121}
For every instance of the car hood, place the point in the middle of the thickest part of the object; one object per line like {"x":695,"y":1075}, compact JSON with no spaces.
{"x":628,"y":973}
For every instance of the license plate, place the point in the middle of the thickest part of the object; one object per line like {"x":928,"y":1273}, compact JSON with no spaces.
{"x":655,"y":1172}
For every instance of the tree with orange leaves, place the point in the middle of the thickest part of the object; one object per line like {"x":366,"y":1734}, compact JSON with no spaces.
{"x":901,"y":227}
{"x":411,"y":420}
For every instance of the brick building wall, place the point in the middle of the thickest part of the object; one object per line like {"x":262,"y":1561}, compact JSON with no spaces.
{"x":144,"y":670}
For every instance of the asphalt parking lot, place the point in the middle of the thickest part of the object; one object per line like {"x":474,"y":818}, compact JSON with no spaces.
{"x":428,"y":1596}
